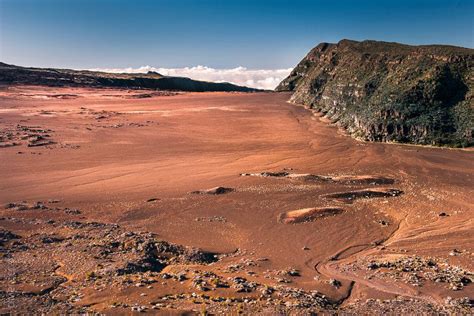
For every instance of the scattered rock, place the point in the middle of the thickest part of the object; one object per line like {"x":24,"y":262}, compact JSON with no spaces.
{"x":72,"y":211}
{"x":33,"y":135}
{"x":25,"y":206}
{"x":416,"y":270}
{"x":346,"y":180}
{"x":266,"y":174}
{"x":363,"y":194}
{"x":211,"y":219}
{"x":242,"y":285}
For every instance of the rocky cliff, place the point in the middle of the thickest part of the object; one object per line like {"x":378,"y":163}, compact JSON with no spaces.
{"x":380,"y":91}
{"x":10,"y":74}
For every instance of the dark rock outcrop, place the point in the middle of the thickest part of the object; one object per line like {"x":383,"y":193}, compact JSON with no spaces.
{"x":380,"y":91}
{"x":214,"y":191}
{"x":10,"y":74}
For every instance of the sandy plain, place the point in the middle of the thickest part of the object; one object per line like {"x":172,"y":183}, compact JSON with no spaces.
{"x":372,"y":226}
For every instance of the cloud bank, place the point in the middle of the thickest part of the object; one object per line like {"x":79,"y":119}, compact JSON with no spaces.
{"x":255,"y":78}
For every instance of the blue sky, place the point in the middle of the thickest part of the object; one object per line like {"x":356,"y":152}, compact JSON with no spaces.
{"x":215,"y":33}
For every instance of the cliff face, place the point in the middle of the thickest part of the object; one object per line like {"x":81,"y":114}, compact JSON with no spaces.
{"x":381,"y":91}
{"x":10,"y":74}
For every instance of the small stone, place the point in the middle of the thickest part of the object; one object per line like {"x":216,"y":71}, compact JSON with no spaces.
{"x":139,"y":309}
{"x":383,"y":222}
{"x":454,"y":252}
{"x":335,"y":283}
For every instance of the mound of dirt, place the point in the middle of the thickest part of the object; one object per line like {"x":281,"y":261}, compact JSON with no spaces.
{"x":307,"y":214}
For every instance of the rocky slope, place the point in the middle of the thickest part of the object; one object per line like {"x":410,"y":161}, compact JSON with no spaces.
{"x":10,"y":74}
{"x":381,"y":91}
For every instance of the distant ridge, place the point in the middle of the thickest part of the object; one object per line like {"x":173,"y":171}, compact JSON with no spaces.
{"x":380,"y":91}
{"x":10,"y":74}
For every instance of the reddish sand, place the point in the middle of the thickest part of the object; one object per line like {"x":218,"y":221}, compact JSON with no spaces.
{"x":108,"y":164}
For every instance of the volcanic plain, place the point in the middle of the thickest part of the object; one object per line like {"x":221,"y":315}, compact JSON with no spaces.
{"x":121,"y":201}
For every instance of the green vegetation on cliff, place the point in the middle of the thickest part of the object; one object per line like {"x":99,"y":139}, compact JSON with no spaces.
{"x":381,"y":91}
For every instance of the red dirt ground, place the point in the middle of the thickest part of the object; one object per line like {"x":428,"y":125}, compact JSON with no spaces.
{"x":111,"y":153}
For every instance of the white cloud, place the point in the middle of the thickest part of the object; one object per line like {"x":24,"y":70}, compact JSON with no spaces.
{"x":256,"y":78}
